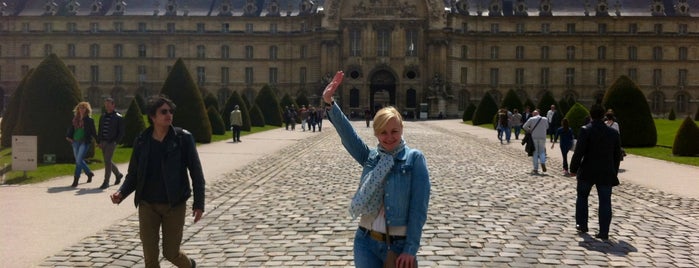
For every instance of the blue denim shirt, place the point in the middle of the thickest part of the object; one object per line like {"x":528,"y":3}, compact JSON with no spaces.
{"x":407,"y":185}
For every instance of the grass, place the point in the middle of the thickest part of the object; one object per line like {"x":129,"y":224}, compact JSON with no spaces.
{"x":121,"y":155}
{"x":666,"y":130}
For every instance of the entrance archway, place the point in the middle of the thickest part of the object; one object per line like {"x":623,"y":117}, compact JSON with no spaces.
{"x":383,"y":90}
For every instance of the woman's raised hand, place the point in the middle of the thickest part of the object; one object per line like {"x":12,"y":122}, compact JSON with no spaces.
{"x":330,"y":88}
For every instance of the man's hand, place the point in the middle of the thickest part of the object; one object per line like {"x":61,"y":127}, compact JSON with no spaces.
{"x":116,"y":198}
{"x":197,"y":213}
{"x":330,"y":88}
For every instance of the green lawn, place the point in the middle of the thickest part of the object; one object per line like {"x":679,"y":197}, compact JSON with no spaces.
{"x":666,"y":130}
{"x":48,"y":171}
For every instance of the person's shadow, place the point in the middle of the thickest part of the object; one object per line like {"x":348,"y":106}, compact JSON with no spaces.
{"x":58,"y":189}
{"x":84,"y":191}
{"x":617,"y":248}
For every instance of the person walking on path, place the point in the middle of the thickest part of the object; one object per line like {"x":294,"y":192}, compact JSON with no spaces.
{"x":516,"y":122}
{"x":537,"y":126}
{"x":80,"y":135}
{"x":596,"y":162}
{"x":236,"y":123}
{"x":394,"y":189}
{"x":111,"y":131}
{"x":567,"y":136}
{"x":554,"y":117}
{"x":162,"y":193}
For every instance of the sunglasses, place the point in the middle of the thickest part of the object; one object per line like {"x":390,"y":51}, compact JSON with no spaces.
{"x":166,"y":111}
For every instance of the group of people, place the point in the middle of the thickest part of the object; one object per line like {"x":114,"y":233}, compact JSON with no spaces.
{"x":310,"y":117}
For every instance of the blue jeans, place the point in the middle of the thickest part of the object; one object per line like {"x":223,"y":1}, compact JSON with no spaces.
{"x":539,"y":152}
{"x":564,"y":153}
{"x":604,"y":192}
{"x":369,"y":253}
{"x":518,"y":129}
{"x":79,"y":151}
{"x":507,"y":131}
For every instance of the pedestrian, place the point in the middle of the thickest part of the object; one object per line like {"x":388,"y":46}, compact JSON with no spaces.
{"x":80,"y":135}
{"x":367,"y":117}
{"x":311,"y":120}
{"x":320,"y":113}
{"x":526,"y":114}
{"x":111,"y":131}
{"x":304,"y":117}
{"x":162,"y":193}
{"x":554,"y":118}
{"x":394,"y":189}
{"x":292,"y":112}
{"x":596,"y":162}
{"x":236,"y":122}
{"x":516,"y":122}
{"x":503,"y":125}
{"x":537,"y":126}
{"x":567,"y":137}
{"x":287,"y":117}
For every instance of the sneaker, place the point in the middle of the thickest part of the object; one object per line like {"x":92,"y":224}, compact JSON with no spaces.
{"x":543,"y":167}
{"x":602,"y":236}
{"x":581,"y":229}
{"x":89,"y":177}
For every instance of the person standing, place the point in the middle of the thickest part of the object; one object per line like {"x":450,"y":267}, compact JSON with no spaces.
{"x":236,"y":122}
{"x":394,"y":189}
{"x":516,"y":122}
{"x":367,"y":117}
{"x":80,"y":135}
{"x":111,"y":131}
{"x":554,"y":117}
{"x":537,"y":126}
{"x":596,"y":162}
{"x":304,"y":117}
{"x":162,"y":193}
{"x":320,"y":113}
{"x":566,"y":134}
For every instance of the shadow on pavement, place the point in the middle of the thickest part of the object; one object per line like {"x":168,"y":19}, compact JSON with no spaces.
{"x":89,"y":191}
{"x":53,"y":190}
{"x":617,"y":248}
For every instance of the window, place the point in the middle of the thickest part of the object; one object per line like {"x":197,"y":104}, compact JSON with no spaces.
{"x":633,"y":53}
{"x":682,"y":53}
{"x":383,"y":45}
{"x":657,"y":77}
{"x":602,"y":28}
{"x":248,"y":28}
{"x":601,"y":77}
{"x":118,"y":27}
{"x":94,"y":51}
{"x":570,"y":53}
{"x":657,"y":53}
{"x":201,"y":28}
{"x":464,"y":27}
{"x":94,"y":27}
{"x":570,"y":28}
{"x":658,"y":28}
{"x":225,"y":75}
{"x":602,"y":53}
{"x":544,"y":79}
{"x":273,"y":28}
{"x":494,"y":28}
{"x":273,"y":75}
{"x":94,"y":74}
{"x":520,"y":28}
{"x":142,"y":27}
{"x":633,"y":74}
{"x":302,"y":75}
{"x":633,"y":28}
{"x":71,"y":27}
{"x":142,"y":51}
{"x":519,"y":77}
{"x":48,"y":49}
{"x":71,"y":50}
{"x":25,"y":27}
{"x":354,"y":98}
{"x":464,"y":52}
{"x":411,"y":42}
{"x":142,"y":78}
{"x":682,"y":78}
{"x":248,"y":52}
{"x":225,"y":52}
{"x":681,"y":103}
{"x":201,"y":75}
{"x":303,"y":27}
{"x":26,"y":52}
{"x":570,"y":77}
{"x":225,"y":27}
{"x":355,"y":44}
{"x":273,"y":52}
{"x":118,"y":50}
{"x":682,"y":29}
{"x":464,"y":75}
{"x":48,"y":27}
{"x":249,"y":76}
{"x":519,"y":52}
{"x":201,"y":51}
{"x":303,"y":51}
{"x":545,"y":28}
{"x":118,"y":74}
{"x":494,"y":51}
{"x":494,"y":77}
{"x":545,"y":51}
{"x":171,"y":27}
{"x":171,"y":51}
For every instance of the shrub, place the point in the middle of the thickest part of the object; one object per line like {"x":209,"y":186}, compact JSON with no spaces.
{"x":256,"y":117}
{"x":210,"y":101}
{"x":545,"y":103}
{"x":529,"y":103}
{"x":511,"y":101}
{"x":301,"y":99}
{"x":141,"y":102}
{"x":133,"y":124}
{"x":564,"y":105}
{"x":696,"y":116}
{"x":485,"y":110}
{"x":468,"y":113}
{"x":576,"y":116}
{"x":268,"y":104}
{"x":217,"y":126}
{"x":46,"y":108}
{"x":671,"y":116}
{"x":9,"y":119}
{"x":191,"y":115}
{"x":232,"y":101}
{"x":287,"y":101}
{"x":632,"y":112}
{"x":686,"y":142}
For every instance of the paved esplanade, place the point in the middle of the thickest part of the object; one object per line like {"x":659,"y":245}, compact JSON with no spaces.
{"x":290,"y":209}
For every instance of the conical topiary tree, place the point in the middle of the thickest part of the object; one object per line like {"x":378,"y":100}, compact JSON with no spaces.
{"x":301,"y":99}
{"x":511,"y":101}
{"x":191,"y":113}
{"x":134,"y":124}
{"x":46,"y":108}
{"x":9,"y":120}
{"x":233,"y":100}
{"x":287,"y":101}
{"x":141,"y":102}
{"x":564,"y":105}
{"x":210,"y":101}
{"x":267,"y":102}
{"x":696,"y":115}
{"x":468,"y":113}
{"x":686,"y":142}
{"x":217,"y":126}
{"x":671,"y":116}
{"x":485,"y":110}
{"x":576,"y":117}
{"x":256,"y":117}
{"x":632,"y":113}
{"x":529,"y":103}
{"x":545,"y":103}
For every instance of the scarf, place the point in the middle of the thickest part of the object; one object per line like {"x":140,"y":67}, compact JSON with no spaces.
{"x":369,"y":196}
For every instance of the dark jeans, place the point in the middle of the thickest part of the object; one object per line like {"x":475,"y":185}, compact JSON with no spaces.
{"x":236,"y":133}
{"x":109,"y":166}
{"x":564,"y":153}
{"x":604,"y":192}
{"x":151,"y":217}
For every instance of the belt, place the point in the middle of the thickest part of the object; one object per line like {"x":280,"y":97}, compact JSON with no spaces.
{"x":380,"y":236}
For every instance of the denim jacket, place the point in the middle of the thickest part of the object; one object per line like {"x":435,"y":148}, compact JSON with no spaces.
{"x":407,"y":185}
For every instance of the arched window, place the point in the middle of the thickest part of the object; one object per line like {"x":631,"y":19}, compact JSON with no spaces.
{"x":681,"y":103}
{"x":411,"y":98}
{"x":656,"y":102}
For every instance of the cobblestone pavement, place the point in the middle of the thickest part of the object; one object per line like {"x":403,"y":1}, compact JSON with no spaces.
{"x":290,"y":209}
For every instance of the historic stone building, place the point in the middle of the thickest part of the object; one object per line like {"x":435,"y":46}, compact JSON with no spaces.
{"x":440,"y":55}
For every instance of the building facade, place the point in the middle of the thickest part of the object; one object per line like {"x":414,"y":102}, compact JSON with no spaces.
{"x":434,"y":56}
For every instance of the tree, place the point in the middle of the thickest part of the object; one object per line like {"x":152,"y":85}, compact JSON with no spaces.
{"x":46,"y":108}
{"x":671,"y":116}
{"x":256,"y":117}
{"x":181,"y":89}
{"x":468,"y":113}
{"x":632,"y":112}
{"x":301,"y":99}
{"x":696,"y":115}
{"x":686,"y":142}
{"x":267,"y":102}
{"x":133,"y":124}
{"x":287,"y":101}
{"x":217,"y":126}
{"x":9,"y":120}
{"x":564,"y":104}
{"x":529,"y":103}
{"x":511,"y":101}
{"x":232,"y":101}
{"x":545,"y":103}
{"x":485,"y":110}
{"x":210,"y":101}
{"x":576,"y":116}
{"x":141,"y":102}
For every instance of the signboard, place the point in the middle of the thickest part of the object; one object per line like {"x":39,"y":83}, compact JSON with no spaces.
{"x":24,"y":153}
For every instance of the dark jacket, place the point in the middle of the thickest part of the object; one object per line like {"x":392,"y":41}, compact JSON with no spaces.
{"x":180,"y":155}
{"x":116,"y":128}
{"x":597,"y":154}
{"x":90,"y":132}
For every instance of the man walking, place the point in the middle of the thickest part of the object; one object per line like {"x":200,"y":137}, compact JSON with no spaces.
{"x":596,"y":162}
{"x":537,"y":126}
{"x":111,"y":130}
{"x":236,"y":123}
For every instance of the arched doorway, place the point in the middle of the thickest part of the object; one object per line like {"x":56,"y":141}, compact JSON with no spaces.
{"x":383,"y":90}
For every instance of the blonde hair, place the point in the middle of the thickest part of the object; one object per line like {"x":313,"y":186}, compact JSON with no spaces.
{"x":383,"y":116}
{"x":77,"y":120}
